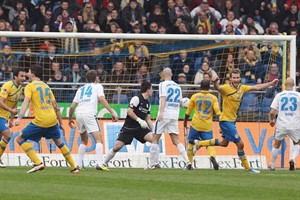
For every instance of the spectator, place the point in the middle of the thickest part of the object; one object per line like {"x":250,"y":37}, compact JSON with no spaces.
{"x":7,"y":62}
{"x":293,"y":13}
{"x":272,"y":15}
{"x":179,"y":63}
{"x":250,"y":7}
{"x":132,"y":14}
{"x":230,"y":30}
{"x":88,"y":13}
{"x":15,"y":11}
{"x":238,"y":26}
{"x":115,"y":56}
{"x":124,"y":3}
{"x":251,"y":23}
{"x":142,"y":74}
{"x":119,"y":74}
{"x":45,"y":19}
{"x":226,"y":68}
{"x":251,"y":69}
{"x":2,"y":14}
{"x":205,"y":8}
{"x":207,"y":22}
{"x":153,"y":28}
{"x":158,"y":16}
{"x":162,"y":29}
{"x":59,"y":93}
{"x":75,"y":75}
{"x":182,"y":12}
{"x":59,"y":10}
{"x":204,"y":69}
{"x":114,"y":18}
{"x":27,"y":60}
{"x":105,"y":11}
{"x":229,"y":6}
{"x":139,"y":54}
{"x":49,"y":75}
{"x":22,"y":19}
{"x":70,"y":45}
{"x":101,"y":73}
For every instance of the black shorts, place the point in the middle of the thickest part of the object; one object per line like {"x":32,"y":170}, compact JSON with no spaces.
{"x":126,"y":135}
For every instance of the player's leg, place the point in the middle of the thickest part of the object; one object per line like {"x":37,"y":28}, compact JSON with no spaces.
{"x":31,"y":132}
{"x":294,"y":135}
{"x":5,"y":133}
{"x":81,"y":149}
{"x":211,"y":149}
{"x":193,"y":135}
{"x":99,"y":150}
{"x":159,"y":128}
{"x":54,"y":133}
{"x":274,"y":153}
{"x":112,"y":152}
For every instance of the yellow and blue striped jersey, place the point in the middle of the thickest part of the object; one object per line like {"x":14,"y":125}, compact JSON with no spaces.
{"x":204,"y":104}
{"x":41,"y":97}
{"x":232,"y":98}
{"x":11,"y":93}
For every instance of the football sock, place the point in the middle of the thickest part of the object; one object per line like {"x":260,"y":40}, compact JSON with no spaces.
{"x":275,"y":153}
{"x":109,"y":156}
{"x":3,"y":144}
{"x":212,"y":142}
{"x":154,"y":154}
{"x":211,"y":151}
{"x":244,"y":160}
{"x":66,"y":153}
{"x":30,"y":152}
{"x":190,"y":152}
{"x":295,"y":151}
{"x":99,"y":153}
{"x":81,"y":151}
{"x":182,"y":151}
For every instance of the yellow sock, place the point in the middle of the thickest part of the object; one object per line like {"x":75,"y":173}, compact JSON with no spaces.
{"x":66,"y":153}
{"x":211,"y":151}
{"x":206,"y":143}
{"x":245,"y":162}
{"x":190,"y":152}
{"x":3,"y":144}
{"x":30,"y":153}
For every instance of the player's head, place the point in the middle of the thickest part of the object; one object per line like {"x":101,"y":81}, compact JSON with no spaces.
{"x":289,"y":83}
{"x":205,"y":85}
{"x":36,"y":71}
{"x":206,"y":76}
{"x":91,"y":76}
{"x":235,"y":77}
{"x":166,"y":74}
{"x":146,"y":87}
{"x":19,"y":76}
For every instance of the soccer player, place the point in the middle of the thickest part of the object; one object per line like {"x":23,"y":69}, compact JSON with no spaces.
{"x":167,"y":120}
{"x":137,"y":124}
{"x":204,"y":104}
{"x":44,"y":123}
{"x":87,"y":98}
{"x":286,"y":105}
{"x":9,"y":96}
{"x":232,"y":94}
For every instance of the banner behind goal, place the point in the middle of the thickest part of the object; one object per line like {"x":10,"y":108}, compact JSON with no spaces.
{"x":124,"y":60}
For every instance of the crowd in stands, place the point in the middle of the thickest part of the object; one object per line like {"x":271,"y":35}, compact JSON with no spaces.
{"x":227,"y":17}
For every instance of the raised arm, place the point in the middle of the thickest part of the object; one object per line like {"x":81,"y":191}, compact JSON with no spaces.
{"x":217,"y":86}
{"x":264,"y":85}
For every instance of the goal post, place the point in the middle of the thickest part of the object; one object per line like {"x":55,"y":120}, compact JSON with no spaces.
{"x":97,"y":50}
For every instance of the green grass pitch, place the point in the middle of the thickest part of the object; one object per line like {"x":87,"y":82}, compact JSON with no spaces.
{"x":119,"y":184}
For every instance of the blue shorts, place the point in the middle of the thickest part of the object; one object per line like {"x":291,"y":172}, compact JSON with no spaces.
{"x":3,"y":125}
{"x":199,"y":135}
{"x":35,"y":133}
{"x":229,"y":131}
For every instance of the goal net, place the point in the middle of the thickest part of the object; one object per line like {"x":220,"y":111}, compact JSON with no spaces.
{"x":123,"y":61}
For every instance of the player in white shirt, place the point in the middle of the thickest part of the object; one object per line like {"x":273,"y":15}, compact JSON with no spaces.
{"x":167,"y":120}
{"x":87,"y":98}
{"x":286,"y":105}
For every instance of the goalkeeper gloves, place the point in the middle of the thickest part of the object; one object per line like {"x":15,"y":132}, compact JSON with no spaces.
{"x":143,"y":123}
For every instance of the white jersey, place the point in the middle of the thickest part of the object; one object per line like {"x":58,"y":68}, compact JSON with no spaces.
{"x":287,"y":104}
{"x":173,"y":94}
{"x":87,"y":98}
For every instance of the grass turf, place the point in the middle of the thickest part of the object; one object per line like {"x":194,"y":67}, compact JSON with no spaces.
{"x":58,"y":183}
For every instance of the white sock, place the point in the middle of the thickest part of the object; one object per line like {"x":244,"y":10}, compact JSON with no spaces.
{"x":81,"y":151}
{"x":154,"y":154}
{"x":295,"y":152}
{"x":182,"y":151}
{"x":274,"y":154}
{"x":109,"y":156}
{"x":99,"y":153}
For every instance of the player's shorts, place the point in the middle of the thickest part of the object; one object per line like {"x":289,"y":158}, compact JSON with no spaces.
{"x":294,"y":134}
{"x":126,"y":135}
{"x":35,"y":133}
{"x":229,"y":131}
{"x":87,"y":123}
{"x":3,"y":125}
{"x":166,"y":126}
{"x":199,"y":135}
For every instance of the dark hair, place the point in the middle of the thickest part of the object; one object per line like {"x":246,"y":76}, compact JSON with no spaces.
{"x":37,"y":70}
{"x":91,"y":76}
{"x":235,"y":71}
{"x":16,"y":71}
{"x":205,"y":85}
{"x":145,"y":86}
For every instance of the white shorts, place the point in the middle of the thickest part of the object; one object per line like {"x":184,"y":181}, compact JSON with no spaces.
{"x":87,"y":123}
{"x":166,"y":126}
{"x":294,"y":134}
